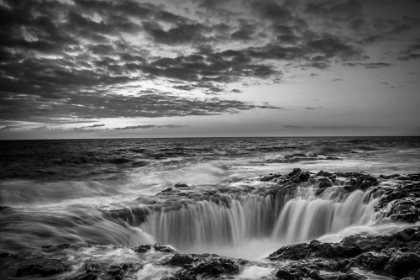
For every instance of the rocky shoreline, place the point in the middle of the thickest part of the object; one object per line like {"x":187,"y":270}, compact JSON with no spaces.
{"x":395,"y":256}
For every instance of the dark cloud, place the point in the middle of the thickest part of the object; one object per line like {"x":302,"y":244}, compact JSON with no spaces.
{"x":337,"y":80}
{"x":293,"y":126}
{"x":411,"y":52}
{"x":182,"y":34}
{"x":335,"y":11}
{"x":97,"y":105}
{"x":69,"y":60}
{"x":372,"y":65}
{"x":272,"y":11}
{"x":10,"y":127}
{"x":147,"y":126}
{"x":93,"y":126}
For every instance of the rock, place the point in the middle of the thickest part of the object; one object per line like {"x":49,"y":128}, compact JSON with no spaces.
{"x":180,"y":260}
{"x":44,"y":267}
{"x":296,"y":170}
{"x":304,"y":176}
{"x":402,"y":263}
{"x":185,"y":274}
{"x":216,"y":267}
{"x":371,"y":261}
{"x":289,"y":274}
{"x":181,"y":185}
{"x":324,"y":183}
{"x":163,"y":248}
{"x":347,"y":249}
{"x":406,"y":209}
{"x":323,"y":173}
{"x":142,"y":248}
{"x":85,"y":276}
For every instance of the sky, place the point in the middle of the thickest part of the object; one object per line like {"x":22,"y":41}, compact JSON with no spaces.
{"x":209,"y":68}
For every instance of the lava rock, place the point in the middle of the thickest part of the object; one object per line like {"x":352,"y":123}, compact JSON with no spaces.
{"x":304,"y":176}
{"x":44,"y":267}
{"x":180,"y":260}
{"x":181,"y":185}
{"x":216,"y":267}
{"x":406,"y":209}
{"x":162,"y":248}
{"x":371,"y":261}
{"x":402,"y":263}
{"x":289,"y":274}
{"x":142,"y":248}
{"x":324,"y":183}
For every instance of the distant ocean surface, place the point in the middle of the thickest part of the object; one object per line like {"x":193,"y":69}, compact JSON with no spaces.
{"x":102,"y":192}
{"x":115,"y":159}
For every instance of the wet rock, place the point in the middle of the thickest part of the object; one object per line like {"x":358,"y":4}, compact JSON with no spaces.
{"x":304,"y":176}
{"x":180,"y":260}
{"x":296,"y":170}
{"x":289,"y":274}
{"x":323,"y":173}
{"x":85,"y":276}
{"x":142,"y":248}
{"x":324,"y":183}
{"x":162,"y":248}
{"x":347,"y":249}
{"x":403,"y":263}
{"x":371,"y":261}
{"x":185,"y":274}
{"x":44,"y":267}
{"x":216,"y":267}
{"x":181,"y":185}
{"x":406,"y":209}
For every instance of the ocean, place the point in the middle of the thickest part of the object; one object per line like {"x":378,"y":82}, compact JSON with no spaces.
{"x":194,"y":195}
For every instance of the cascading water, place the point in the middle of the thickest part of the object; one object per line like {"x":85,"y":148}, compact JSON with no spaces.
{"x":230,"y":223}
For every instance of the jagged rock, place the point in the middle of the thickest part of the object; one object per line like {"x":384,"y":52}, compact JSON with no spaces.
{"x":181,"y":185}
{"x":43,"y":267}
{"x":289,"y":274}
{"x":85,"y":276}
{"x":323,"y":173}
{"x":216,"y":267}
{"x":163,"y":248}
{"x":406,"y":209}
{"x":180,"y":260}
{"x":142,"y":248}
{"x":403,"y":263}
{"x":324,"y":183}
{"x":371,"y":261}
{"x":185,"y":274}
{"x":304,"y":176}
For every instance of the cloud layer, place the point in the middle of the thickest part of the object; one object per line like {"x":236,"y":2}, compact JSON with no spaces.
{"x":97,"y":59}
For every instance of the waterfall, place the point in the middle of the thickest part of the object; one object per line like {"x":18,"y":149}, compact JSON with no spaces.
{"x":228,"y":222}
{"x":307,"y":216}
{"x":236,"y":221}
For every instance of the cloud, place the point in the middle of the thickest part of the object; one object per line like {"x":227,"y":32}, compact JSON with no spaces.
{"x":10,"y":127}
{"x":372,"y":65}
{"x":411,"y":52}
{"x":93,"y":126}
{"x":293,"y":126}
{"x":62,"y":61}
{"x":147,"y":126}
{"x":337,"y":80}
{"x":97,"y":106}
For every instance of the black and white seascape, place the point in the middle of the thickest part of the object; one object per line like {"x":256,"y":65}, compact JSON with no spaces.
{"x":210,"y":208}
{"x":209,"y":139}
